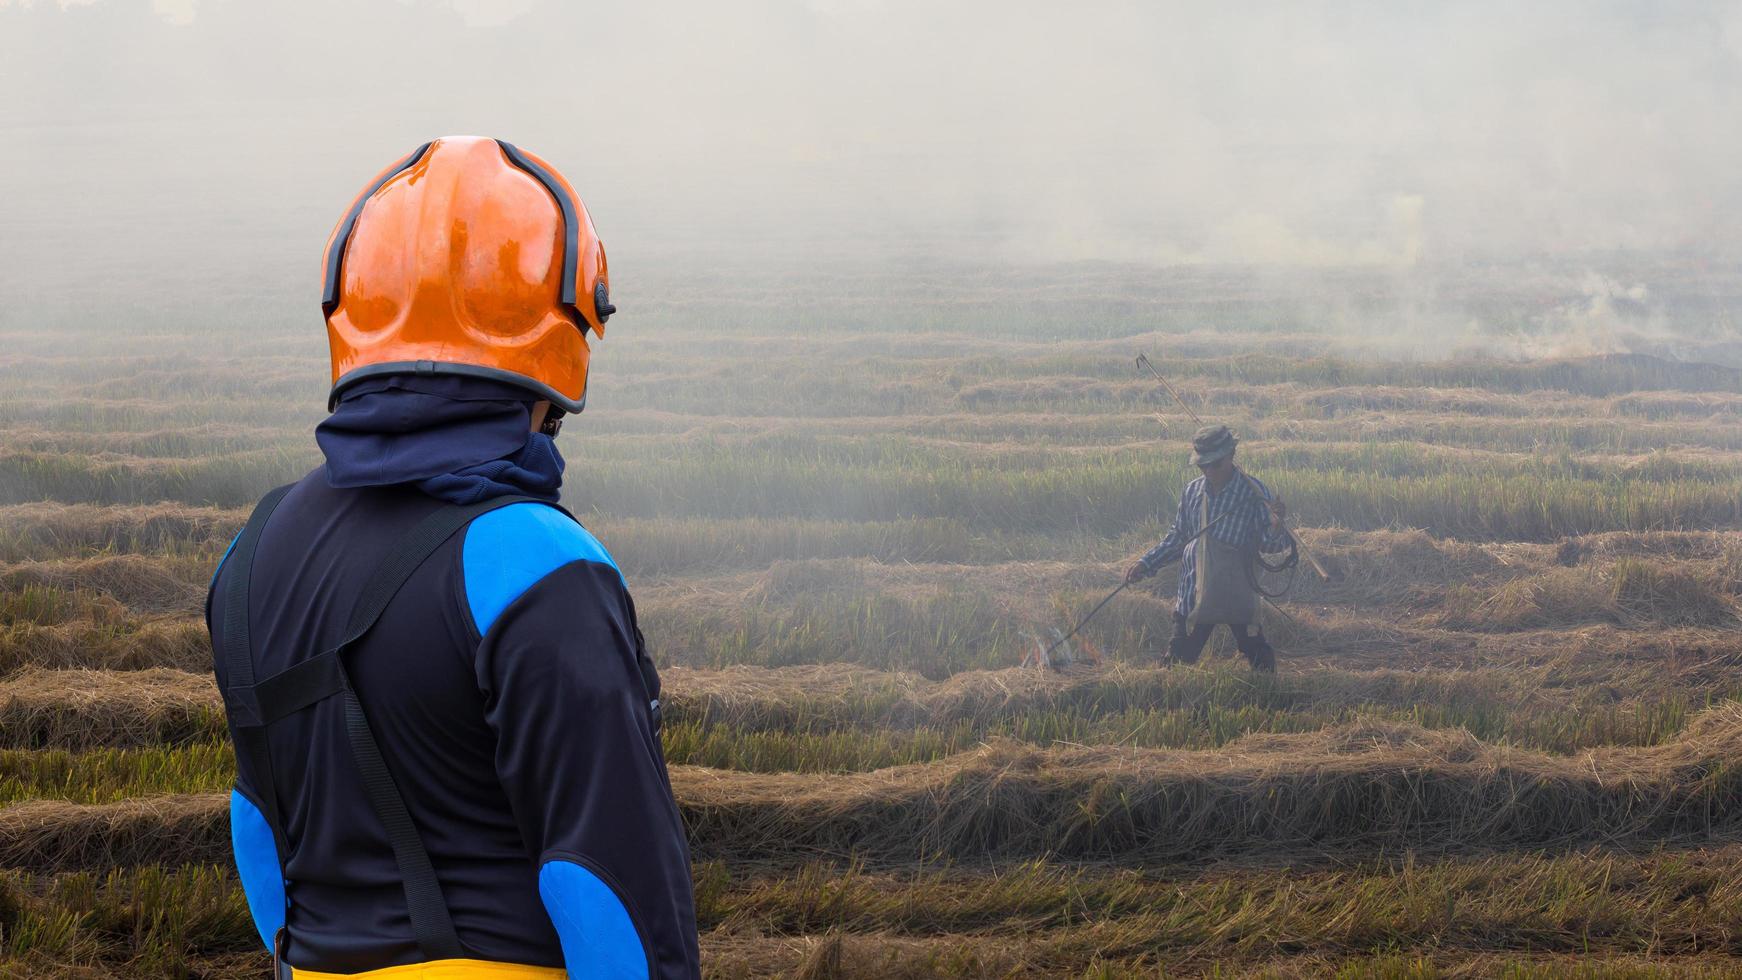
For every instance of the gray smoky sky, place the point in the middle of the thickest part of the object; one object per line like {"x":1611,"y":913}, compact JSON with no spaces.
{"x":152,"y":148}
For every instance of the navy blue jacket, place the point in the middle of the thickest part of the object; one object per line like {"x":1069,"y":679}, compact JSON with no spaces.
{"x":502,"y":685}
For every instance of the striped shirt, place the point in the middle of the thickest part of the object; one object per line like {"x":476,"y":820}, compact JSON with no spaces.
{"x":1247,"y":527}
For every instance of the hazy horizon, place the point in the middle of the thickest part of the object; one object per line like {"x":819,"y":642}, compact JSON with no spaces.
{"x":180,"y":148}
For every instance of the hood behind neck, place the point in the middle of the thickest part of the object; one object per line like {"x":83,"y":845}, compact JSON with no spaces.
{"x":455,"y":438}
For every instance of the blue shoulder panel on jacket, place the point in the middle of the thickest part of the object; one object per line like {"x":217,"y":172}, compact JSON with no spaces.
{"x":257,"y":866}
{"x":507,"y":551}
{"x":598,"y":937}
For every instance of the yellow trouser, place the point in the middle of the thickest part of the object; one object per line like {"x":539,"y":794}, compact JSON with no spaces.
{"x":447,"y":970}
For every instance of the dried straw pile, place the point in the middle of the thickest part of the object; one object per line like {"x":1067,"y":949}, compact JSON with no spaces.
{"x":143,"y":584}
{"x":1355,"y":789}
{"x":41,"y":529}
{"x":79,"y":709}
{"x":51,"y":836}
{"x":174,"y":643}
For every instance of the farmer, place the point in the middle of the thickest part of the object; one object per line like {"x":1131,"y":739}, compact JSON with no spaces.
{"x":446,"y":721}
{"x":1216,"y":583}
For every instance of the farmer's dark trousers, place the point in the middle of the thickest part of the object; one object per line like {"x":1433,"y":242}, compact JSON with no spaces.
{"x":1186,"y":645}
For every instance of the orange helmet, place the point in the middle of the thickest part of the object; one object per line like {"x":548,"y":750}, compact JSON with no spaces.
{"x":473,"y":257}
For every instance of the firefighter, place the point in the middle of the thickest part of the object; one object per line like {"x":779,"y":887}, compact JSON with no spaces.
{"x":445,"y":718}
{"x":1217,"y":584}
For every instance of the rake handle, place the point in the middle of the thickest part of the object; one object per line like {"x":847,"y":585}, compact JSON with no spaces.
{"x":1128,"y":583}
{"x":1101,"y":605}
{"x":1143,"y":362}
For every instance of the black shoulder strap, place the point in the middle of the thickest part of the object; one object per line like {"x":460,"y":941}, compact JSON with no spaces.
{"x":430,"y":921}
{"x":254,"y":705}
{"x":239,"y":660}
{"x":238,"y":657}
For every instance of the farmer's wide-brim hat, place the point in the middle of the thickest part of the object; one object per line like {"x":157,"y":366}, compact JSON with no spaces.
{"x":1212,"y":443}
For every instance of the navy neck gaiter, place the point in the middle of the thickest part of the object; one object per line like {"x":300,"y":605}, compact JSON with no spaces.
{"x":457,"y":439}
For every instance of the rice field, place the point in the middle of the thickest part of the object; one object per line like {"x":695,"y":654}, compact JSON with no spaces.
{"x":1502,"y":741}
